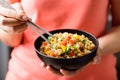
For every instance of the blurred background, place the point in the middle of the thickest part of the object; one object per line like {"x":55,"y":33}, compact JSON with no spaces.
{"x":4,"y":57}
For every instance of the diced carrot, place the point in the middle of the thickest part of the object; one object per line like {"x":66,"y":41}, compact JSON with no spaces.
{"x":45,"y":43}
{"x":71,"y":42}
{"x":52,"y":53}
{"x":68,"y":38}
{"x":64,"y":42}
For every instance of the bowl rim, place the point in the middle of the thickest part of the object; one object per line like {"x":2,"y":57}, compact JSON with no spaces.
{"x":96,"y":47}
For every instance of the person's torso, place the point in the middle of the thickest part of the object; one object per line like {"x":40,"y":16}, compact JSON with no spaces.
{"x":85,"y":15}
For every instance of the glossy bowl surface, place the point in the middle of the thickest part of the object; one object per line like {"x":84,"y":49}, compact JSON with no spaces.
{"x":69,"y":63}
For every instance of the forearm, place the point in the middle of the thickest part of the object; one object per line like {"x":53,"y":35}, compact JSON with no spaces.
{"x":11,"y":40}
{"x":110,"y":43}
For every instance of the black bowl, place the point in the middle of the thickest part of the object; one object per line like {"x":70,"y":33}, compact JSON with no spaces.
{"x":69,"y":63}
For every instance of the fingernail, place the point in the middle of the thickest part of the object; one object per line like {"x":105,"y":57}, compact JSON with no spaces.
{"x":25,"y":18}
{"x":95,"y":61}
{"x":42,"y":65}
{"x":48,"y":68}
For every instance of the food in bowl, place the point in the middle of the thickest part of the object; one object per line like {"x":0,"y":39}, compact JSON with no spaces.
{"x":66,"y":63}
{"x":67,"y":45}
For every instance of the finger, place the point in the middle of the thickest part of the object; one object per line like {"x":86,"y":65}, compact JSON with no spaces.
{"x":43,"y":65}
{"x":97,"y":58}
{"x":20,"y":28}
{"x":9,"y":21}
{"x":67,"y":73}
{"x":51,"y":69}
{"x":12,"y":13}
{"x":18,"y":7}
{"x":54,"y":71}
{"x":1,"y":19}
{"x":15,"y":29}
{"x":72,"y":73}
{"x":9,"y":13}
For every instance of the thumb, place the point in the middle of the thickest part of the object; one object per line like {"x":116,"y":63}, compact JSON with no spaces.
{"x":97,"y":58}
{"x":12,"y":13}
{"x":21,"y":14}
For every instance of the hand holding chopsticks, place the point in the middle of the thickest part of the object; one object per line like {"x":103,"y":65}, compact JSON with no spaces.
{"x":31,"y":24}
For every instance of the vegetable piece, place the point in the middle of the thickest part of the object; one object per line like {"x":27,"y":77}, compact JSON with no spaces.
{"x":76,"y":36}
{"x":52,"y":53}
{"x":60,"y":38}
{"x":45,"y":43}
{"x":49,"y":37}
{"x":64,"y":42}
{"x":83,"y":40}
{"x":68,"y":49}
{"x":68,"y":38}
{"x":71,"y":42}
{"x":54,"y":46}
{"x":63,"y":48}
{"x":71,"y":54}
{"x":76,"y":46}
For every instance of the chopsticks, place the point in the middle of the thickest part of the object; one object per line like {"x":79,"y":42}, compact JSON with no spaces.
{"x":31,"y":24}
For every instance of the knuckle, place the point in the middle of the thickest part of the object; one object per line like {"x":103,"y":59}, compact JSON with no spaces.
{"x":19,"y":16}
{"x":2,"y":21}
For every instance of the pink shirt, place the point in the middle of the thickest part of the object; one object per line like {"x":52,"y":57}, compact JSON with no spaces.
{"x":85,"y":15}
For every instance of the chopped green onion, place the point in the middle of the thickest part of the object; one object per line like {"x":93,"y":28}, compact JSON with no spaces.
{"x":49,"y":37}
{"x":83,"y":40}
{"x":76,"y":46}
{"x":54,"y":46}
{"x":67,"y":50}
